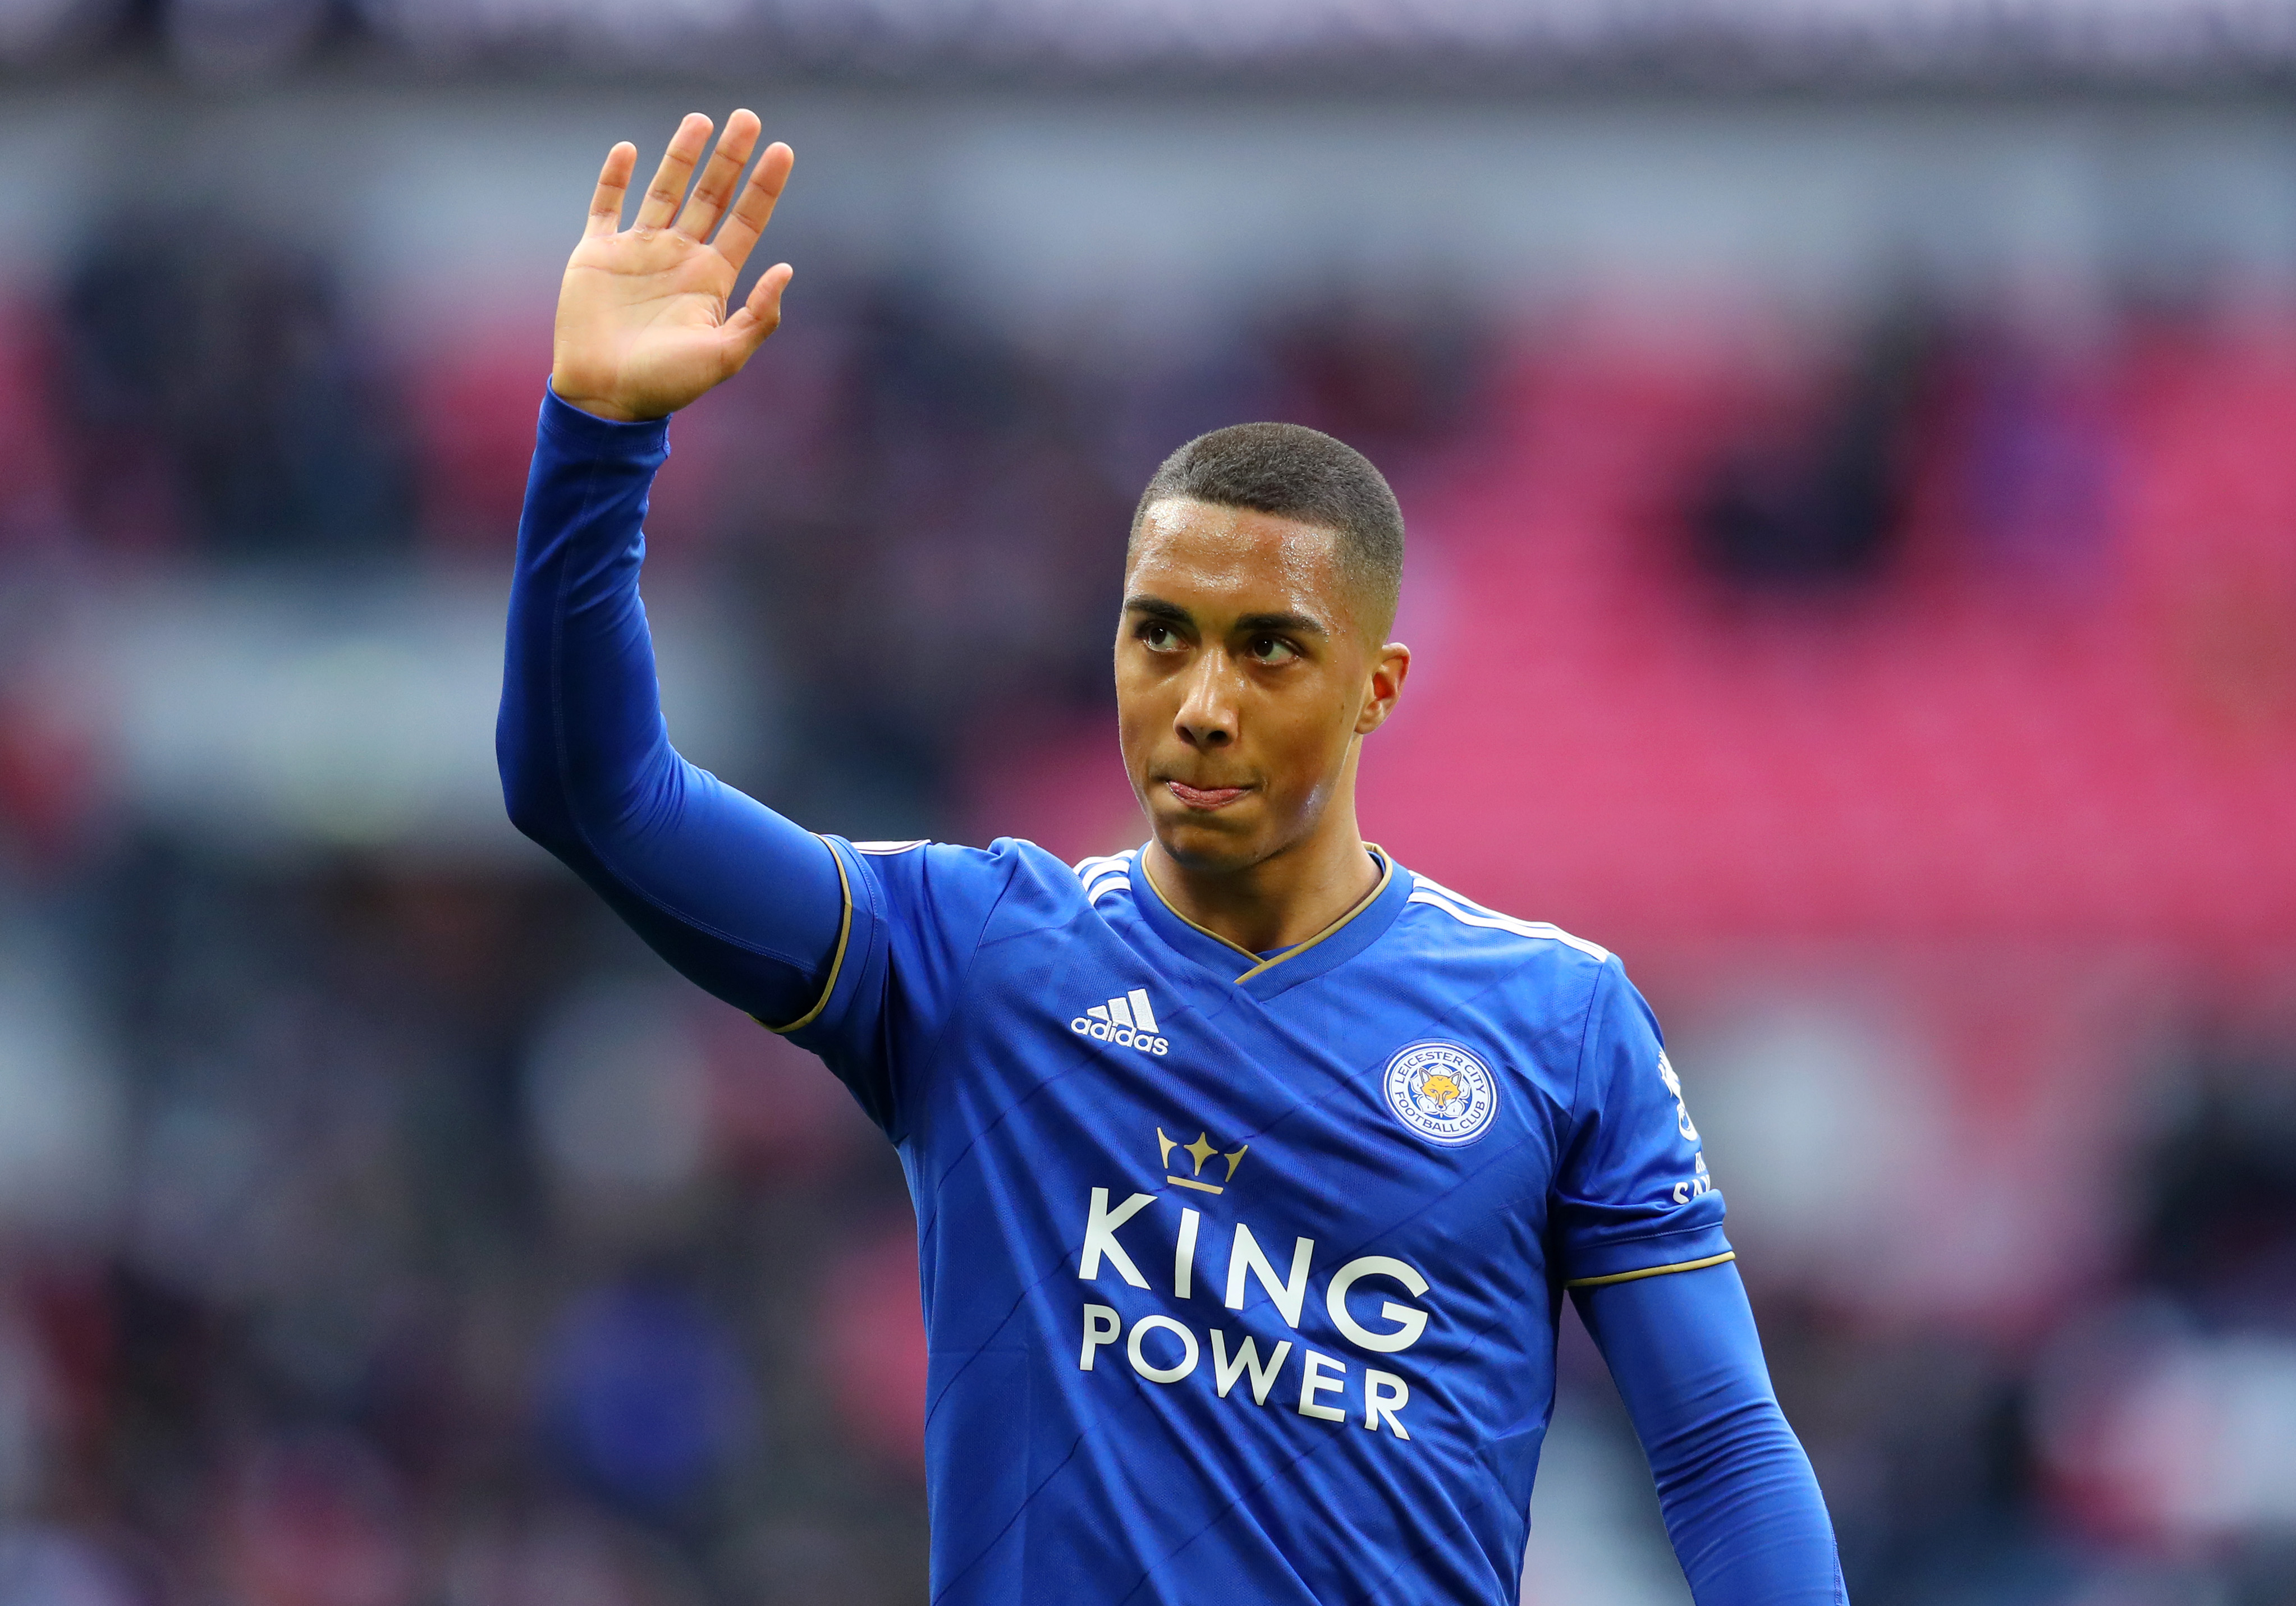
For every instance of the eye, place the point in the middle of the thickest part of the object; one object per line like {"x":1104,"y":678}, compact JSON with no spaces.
{"x":1272,"y":650}
{"x":1159,"y":637}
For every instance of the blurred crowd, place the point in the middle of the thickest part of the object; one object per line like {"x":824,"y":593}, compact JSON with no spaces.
{"x":382,"y":1227}
{"x":227,"y":41}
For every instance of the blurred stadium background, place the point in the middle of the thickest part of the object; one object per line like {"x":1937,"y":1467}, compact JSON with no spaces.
{"x":1851,"y":455}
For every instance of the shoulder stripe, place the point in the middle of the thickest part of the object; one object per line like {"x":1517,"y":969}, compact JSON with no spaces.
{"x":1467,"y":912}
{"x":1102,"y":871}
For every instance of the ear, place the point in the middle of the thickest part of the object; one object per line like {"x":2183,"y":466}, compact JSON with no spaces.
{"x":1383,"y":687}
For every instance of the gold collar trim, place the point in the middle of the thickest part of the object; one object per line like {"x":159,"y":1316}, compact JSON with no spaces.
{"x":1387,"y":874}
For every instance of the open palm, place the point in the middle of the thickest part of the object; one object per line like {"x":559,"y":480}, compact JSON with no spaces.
{"x":642,"y":327}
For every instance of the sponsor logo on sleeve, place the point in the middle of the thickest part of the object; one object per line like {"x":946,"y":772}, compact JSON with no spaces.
{"x":1674,"y":1088}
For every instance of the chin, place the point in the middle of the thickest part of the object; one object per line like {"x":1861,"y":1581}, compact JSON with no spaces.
{"x":1208,"y":842}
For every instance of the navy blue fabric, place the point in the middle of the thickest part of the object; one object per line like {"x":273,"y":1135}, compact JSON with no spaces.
{"x":1240,"y":1273}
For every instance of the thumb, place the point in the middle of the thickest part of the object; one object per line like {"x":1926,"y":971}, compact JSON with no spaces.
{"x":761,"y":315}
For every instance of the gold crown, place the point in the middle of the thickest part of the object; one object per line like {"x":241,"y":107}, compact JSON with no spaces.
{"x":1202,"y":1150}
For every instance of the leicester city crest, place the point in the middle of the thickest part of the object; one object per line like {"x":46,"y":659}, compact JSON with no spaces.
{"x":1442,"y":1092}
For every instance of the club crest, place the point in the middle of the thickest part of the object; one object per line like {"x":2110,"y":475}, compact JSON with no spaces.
{"x":1442,"y":1092}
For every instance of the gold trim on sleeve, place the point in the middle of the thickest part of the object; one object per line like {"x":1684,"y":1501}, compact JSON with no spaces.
{"x":1652,"y":1271}
{"x":836,"y":964}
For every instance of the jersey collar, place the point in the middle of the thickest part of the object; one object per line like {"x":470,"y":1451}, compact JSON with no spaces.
{"x":1263,"y":979}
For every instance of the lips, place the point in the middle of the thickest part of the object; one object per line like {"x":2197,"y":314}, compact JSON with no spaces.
{"x":1205,"y":797}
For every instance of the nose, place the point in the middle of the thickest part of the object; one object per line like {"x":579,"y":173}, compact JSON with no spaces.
{"x":1207,"y":716}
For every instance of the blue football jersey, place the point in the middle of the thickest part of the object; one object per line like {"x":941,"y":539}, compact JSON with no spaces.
{"x":1241,"y":1274}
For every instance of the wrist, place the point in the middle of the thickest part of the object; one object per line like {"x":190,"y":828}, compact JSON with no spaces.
{"x":600,"y":407}
{"x":586,"y":434}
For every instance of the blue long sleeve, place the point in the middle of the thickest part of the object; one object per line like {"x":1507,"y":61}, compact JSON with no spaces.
{"x":736,"y":897}
{"x":1741,"y":1504}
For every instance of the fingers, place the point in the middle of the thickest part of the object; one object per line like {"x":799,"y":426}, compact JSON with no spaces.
{"x":669,"y":179}
{"x":754,"y":208}
{"x":759,"y":316}
{"x":716,"y":185}
{"x":613,"y":185}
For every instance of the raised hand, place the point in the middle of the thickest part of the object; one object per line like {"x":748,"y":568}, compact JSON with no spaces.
{"x":641,"y":323}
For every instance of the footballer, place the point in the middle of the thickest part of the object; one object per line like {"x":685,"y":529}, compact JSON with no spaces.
{"x":1250,"y":1168}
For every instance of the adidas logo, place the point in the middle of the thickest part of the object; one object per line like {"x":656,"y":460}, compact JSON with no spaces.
{"x":1128,"y":1022}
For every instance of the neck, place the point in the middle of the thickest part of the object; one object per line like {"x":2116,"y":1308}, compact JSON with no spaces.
{"x":1284,"y":899}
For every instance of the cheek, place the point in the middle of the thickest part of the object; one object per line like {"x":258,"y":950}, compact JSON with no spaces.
{"x":1308,"y":747}
{"x":1140,"y":708}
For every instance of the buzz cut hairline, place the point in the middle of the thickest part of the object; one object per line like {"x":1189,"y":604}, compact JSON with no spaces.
{"x":1290,"y":472}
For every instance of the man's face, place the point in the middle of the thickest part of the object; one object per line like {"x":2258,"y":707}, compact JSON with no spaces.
{"x":1244,"y":676}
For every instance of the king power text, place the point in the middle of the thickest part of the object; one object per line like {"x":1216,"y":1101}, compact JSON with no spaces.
{"x":1165,"y":1350}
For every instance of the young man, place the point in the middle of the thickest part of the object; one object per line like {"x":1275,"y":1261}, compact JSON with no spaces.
{"x":1250,"y":1168}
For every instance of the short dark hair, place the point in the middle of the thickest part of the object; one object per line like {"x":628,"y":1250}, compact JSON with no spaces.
{"x":1296,"y":473}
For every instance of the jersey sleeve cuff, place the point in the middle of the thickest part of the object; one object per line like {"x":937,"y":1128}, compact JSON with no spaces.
{"x":576,"y":432}
{"x":1593,"y":1266}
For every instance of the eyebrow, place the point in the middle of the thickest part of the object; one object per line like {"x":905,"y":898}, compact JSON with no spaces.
{"x":1299,"y":623}
{"x":1156,"y":607}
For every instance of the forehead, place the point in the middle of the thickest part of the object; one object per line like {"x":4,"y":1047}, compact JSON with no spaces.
{"x":1234,"y":559}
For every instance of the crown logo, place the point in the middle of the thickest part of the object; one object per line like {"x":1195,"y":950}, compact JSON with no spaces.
{"x":1200,"y":1151}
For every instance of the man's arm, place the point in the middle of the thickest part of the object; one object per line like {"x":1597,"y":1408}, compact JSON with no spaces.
{"x":1741,"y":1504}
{"x":735,"y":896}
